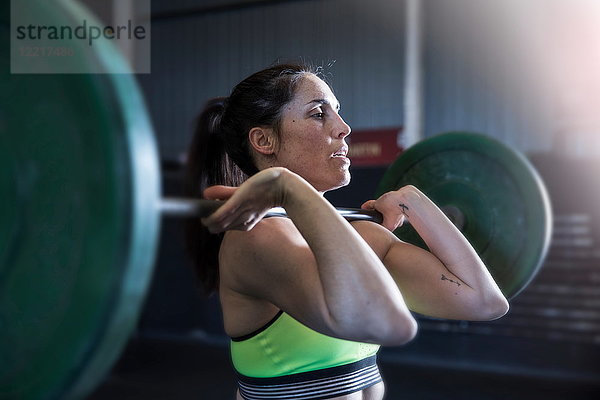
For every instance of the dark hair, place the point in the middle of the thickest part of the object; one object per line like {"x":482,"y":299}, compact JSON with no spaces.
{"x":220,"y":152}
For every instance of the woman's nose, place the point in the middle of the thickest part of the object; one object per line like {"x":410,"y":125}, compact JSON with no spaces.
{"x":342,"y":128}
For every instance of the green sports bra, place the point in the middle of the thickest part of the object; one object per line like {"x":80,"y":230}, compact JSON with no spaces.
{"x":284,"y":346}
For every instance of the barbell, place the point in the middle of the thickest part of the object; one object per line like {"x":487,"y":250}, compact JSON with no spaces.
{"x":81,"y":208}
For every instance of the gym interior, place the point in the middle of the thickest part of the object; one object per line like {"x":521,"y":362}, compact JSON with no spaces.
{"x":523,"y":73}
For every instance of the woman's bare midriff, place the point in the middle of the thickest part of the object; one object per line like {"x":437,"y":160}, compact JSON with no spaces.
{"x":374,"y":392}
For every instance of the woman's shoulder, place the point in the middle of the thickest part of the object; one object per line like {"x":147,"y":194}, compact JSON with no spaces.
{"x":272,"y":252}
{"x":269,"y":235}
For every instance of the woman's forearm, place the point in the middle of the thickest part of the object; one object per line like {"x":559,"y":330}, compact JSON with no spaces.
{"x":446,"y":242}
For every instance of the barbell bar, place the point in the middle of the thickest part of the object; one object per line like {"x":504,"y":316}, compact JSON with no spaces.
{"x":184,"y":207}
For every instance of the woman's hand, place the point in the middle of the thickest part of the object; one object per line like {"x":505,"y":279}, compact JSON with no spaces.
{"x":393,"y":206}
{"x":246,"y":205}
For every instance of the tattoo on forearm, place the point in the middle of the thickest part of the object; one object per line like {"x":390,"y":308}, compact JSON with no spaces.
{"x":448,"y":279}
{"x":404,"y":207}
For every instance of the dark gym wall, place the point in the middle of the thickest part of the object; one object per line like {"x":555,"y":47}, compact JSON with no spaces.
{"x":204,"y":54}
{"x":201,"y":48}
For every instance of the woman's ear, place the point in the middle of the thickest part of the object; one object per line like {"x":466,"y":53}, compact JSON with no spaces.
{"x":263,"y":140}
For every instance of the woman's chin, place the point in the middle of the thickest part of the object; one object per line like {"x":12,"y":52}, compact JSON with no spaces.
{"x":338,"y":183}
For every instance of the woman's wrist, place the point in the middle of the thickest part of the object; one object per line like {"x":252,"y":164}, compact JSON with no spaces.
{"x":291,"y":187}
{"x":275,"y":182}
{"x":408,"y":198}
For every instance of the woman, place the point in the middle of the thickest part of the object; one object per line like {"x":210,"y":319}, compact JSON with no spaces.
{"x":308,"y":300}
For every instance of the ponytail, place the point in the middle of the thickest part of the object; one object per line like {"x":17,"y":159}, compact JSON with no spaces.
{"x":208,"y":164}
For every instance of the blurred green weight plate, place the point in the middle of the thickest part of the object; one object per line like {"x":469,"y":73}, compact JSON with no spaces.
{"x":506,"y":210}
{"x":79,"y":185}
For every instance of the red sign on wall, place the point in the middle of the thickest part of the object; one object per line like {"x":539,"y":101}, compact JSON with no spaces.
{"x":374,"y":147}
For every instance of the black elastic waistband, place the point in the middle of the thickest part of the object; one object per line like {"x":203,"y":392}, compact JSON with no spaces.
{"x":314,"y":385}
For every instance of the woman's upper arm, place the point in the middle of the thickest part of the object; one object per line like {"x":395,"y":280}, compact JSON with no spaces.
{"x":428,"y":287}
{"x":273,"y":262}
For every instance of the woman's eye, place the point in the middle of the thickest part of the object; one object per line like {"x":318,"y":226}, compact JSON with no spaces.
{"x":318,"y":115}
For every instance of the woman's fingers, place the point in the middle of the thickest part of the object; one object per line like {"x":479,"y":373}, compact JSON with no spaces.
{"x":390,"y":218}
{"x":392,"y":214}
{"x":228,"y":215}
{"x":246,"y":205}
{"x":222,"y":218}
{"x":392,"y":222}
{"x":242,"y":211}
{"x":237,"y":220}
{"x":368,"y":205}
{"x":219,"y":192}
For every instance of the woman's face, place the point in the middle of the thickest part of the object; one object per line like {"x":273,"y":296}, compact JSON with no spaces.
{"x":312,"y":136}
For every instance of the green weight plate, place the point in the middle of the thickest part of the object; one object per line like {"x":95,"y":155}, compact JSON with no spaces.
{"x":79,"y":187}
{"x":500,"y":196}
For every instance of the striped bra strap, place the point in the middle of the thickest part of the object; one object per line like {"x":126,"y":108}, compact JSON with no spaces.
{"x":314,"y":385}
